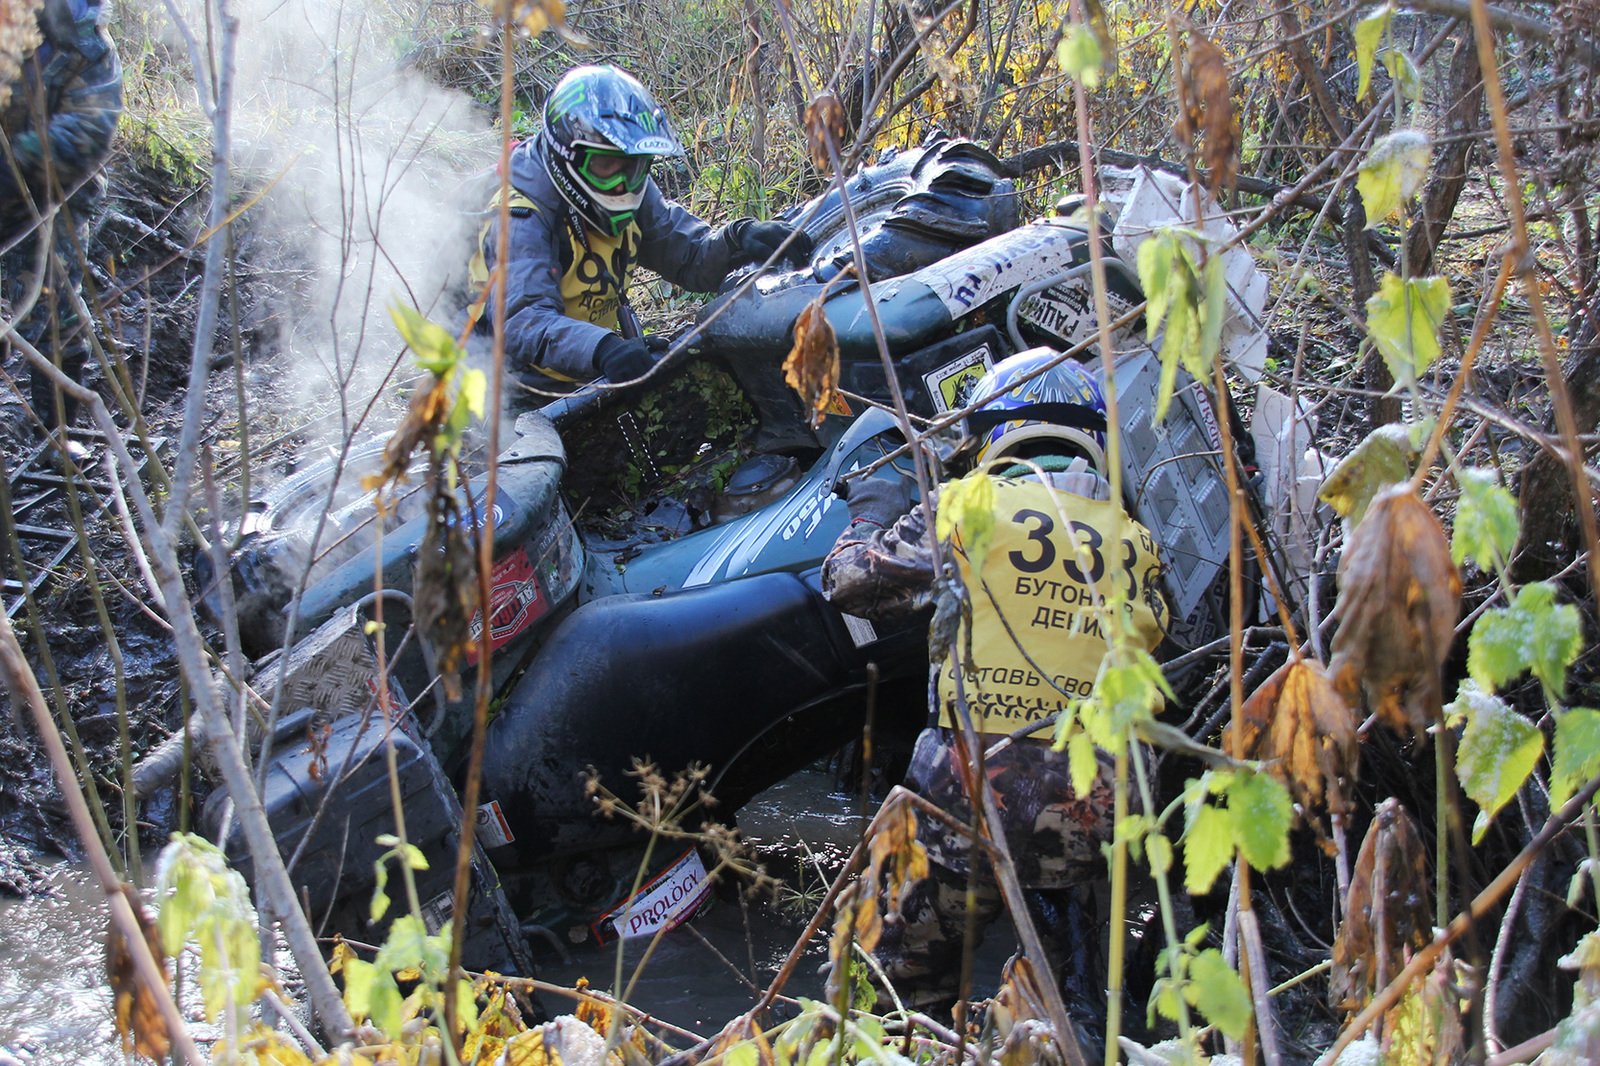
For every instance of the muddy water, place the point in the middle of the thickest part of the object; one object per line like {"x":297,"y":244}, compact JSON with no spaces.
{"x":55,"y":1006}
{"x":54,"y":1003}
{"x":700,"y":977}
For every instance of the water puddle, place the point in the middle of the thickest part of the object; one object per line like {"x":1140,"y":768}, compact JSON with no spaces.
{"x":55,"y":1006}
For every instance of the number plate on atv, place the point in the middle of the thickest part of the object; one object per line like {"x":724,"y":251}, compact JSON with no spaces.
{"x":669,"y":900}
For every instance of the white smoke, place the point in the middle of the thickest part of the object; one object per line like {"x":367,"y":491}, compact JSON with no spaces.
{"x":373,"y":158}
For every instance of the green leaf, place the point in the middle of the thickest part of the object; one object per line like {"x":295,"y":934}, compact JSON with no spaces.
{"x":1534,"y":633}
{"x":384,"y":1002}
{"x":1382,"y":459}
{"x":1214,"y":284}
{"x":744,"y":1053}
{"x":466,"y":1004}
{"x":1262,"y":813}
{"x":1207,"y":848}
{"x":413,"y":857}
{"x":1219,"y":993}
{"x":1404,"y":72}
{"x":432,"y":346}
{"x":966,"y":506}
{"x":1159,"y":849}
{"x":1085,"y":765}
{"x":358,"y":977}
{"x":1404,"y":319}
{"x":1368,"y":34}
{"x":1392,"y":173}
{"x":1577,"y":753}
{"x":1131,"y":691}
{"x":1498,"y":750}
{"x":1078,"y":53}
{"x":1487,"y":521}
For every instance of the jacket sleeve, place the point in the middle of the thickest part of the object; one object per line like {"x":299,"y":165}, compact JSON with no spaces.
{"x":83,"y":86}
{"x":538,"y":331}
{"x":682,"y":248}
{"x":875,"y":572}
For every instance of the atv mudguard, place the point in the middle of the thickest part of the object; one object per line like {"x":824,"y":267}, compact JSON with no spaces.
{"x":700,"y":676}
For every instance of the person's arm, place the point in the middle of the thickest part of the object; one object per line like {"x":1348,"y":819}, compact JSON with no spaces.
{"x":538,"y":331}
{"x":682,"y":248}
{"x":79,"y":129}
{"x":881,"y":566}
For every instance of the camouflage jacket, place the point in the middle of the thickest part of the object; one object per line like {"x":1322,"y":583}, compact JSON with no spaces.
{"x":73,"y":82}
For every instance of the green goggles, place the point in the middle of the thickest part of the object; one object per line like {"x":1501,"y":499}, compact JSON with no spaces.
{"x":609,"y":171}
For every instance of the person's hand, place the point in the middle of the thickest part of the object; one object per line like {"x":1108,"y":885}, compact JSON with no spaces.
{"x":878,"y":500}
{"x":623,"y":359}
{"x":759,"y":240}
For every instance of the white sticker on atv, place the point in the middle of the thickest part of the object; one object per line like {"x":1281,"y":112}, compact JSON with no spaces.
{"x":493,"y":831}
{"x":969,"y":279}
{"x":668,"y":901}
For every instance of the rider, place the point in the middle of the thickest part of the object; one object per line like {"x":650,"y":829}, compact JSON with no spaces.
{"x":1032,"y":614}
{"x":62,"y":109}
{"x":584,"y":211}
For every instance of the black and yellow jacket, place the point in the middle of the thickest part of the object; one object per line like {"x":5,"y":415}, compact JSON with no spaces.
{"x":562,"y":289}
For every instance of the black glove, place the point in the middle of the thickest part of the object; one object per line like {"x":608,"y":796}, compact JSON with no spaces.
{"x":622,"y":359}
{"x":657,"y":344}
{"x":878,"y":500}
{"x":759,"y":240}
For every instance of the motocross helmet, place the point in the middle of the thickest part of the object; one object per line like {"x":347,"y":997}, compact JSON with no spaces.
{"x":602,"y":129}
{"x":1058,"y":412}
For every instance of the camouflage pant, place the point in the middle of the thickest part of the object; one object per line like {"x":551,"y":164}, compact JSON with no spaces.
{"x":52,"y":324}
{"x":1054,"y":838}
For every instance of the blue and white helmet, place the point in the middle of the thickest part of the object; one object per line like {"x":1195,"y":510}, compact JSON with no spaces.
{"x":1058,"y":412}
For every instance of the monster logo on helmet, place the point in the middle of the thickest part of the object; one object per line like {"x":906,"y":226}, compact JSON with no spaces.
{"x":602,"y":130}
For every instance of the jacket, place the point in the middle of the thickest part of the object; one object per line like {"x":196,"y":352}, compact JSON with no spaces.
{"x":77,"y":76}
{"x":544,"y":331}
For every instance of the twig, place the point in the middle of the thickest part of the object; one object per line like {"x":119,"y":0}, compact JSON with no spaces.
{"x":1481,"y":904}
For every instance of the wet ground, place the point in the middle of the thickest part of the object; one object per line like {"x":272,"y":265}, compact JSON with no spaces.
{"x":55,"y":1006}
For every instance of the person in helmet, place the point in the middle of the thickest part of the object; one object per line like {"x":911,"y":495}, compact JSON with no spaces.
{"x":584,"y":212}
{"x":58,"y":117}
{"x":1059,"y":545}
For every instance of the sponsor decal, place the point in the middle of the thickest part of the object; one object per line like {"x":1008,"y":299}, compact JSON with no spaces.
{"x":951,"y":385}
{"x":516,"y":601}
{"x":669,"y":900}
{"x":493,"y":831}
{"x":437,"y":912}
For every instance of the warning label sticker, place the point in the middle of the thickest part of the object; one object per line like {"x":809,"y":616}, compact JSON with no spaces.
{"x":516,"y":601}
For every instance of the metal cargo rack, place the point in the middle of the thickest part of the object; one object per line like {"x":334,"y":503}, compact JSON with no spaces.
{"x":39,"y":510}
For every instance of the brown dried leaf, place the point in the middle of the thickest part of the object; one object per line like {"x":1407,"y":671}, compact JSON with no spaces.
{"x":1399,"y":598}
{"x":825,"y":119}
{"x":138,"y":1017}
{"x":812,"y":368}
{"x":428,"y":410}
{"x":1387,"y":914}
{"x":897,"y":855}
{"x":1208,"y":109}
{"x":1299,"y":724}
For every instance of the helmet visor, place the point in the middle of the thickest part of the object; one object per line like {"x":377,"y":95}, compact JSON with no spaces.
{"x":607,"y":170}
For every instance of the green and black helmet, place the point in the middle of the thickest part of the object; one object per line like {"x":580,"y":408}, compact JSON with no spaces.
{"x":601,"y":131}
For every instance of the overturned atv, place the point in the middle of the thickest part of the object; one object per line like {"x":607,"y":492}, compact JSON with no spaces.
{"x":697,"y":634}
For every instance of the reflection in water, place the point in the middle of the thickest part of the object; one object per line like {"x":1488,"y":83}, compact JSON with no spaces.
{"x":54,"y":1003}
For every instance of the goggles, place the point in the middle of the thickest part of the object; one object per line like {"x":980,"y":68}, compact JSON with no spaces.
{"x":607,"y":170}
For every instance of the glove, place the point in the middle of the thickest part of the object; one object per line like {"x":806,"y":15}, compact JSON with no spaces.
{"x":622,"y":359}
{"x":657,"y":344}
{"x":878,"y":500}
{"x":758,"y":240}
